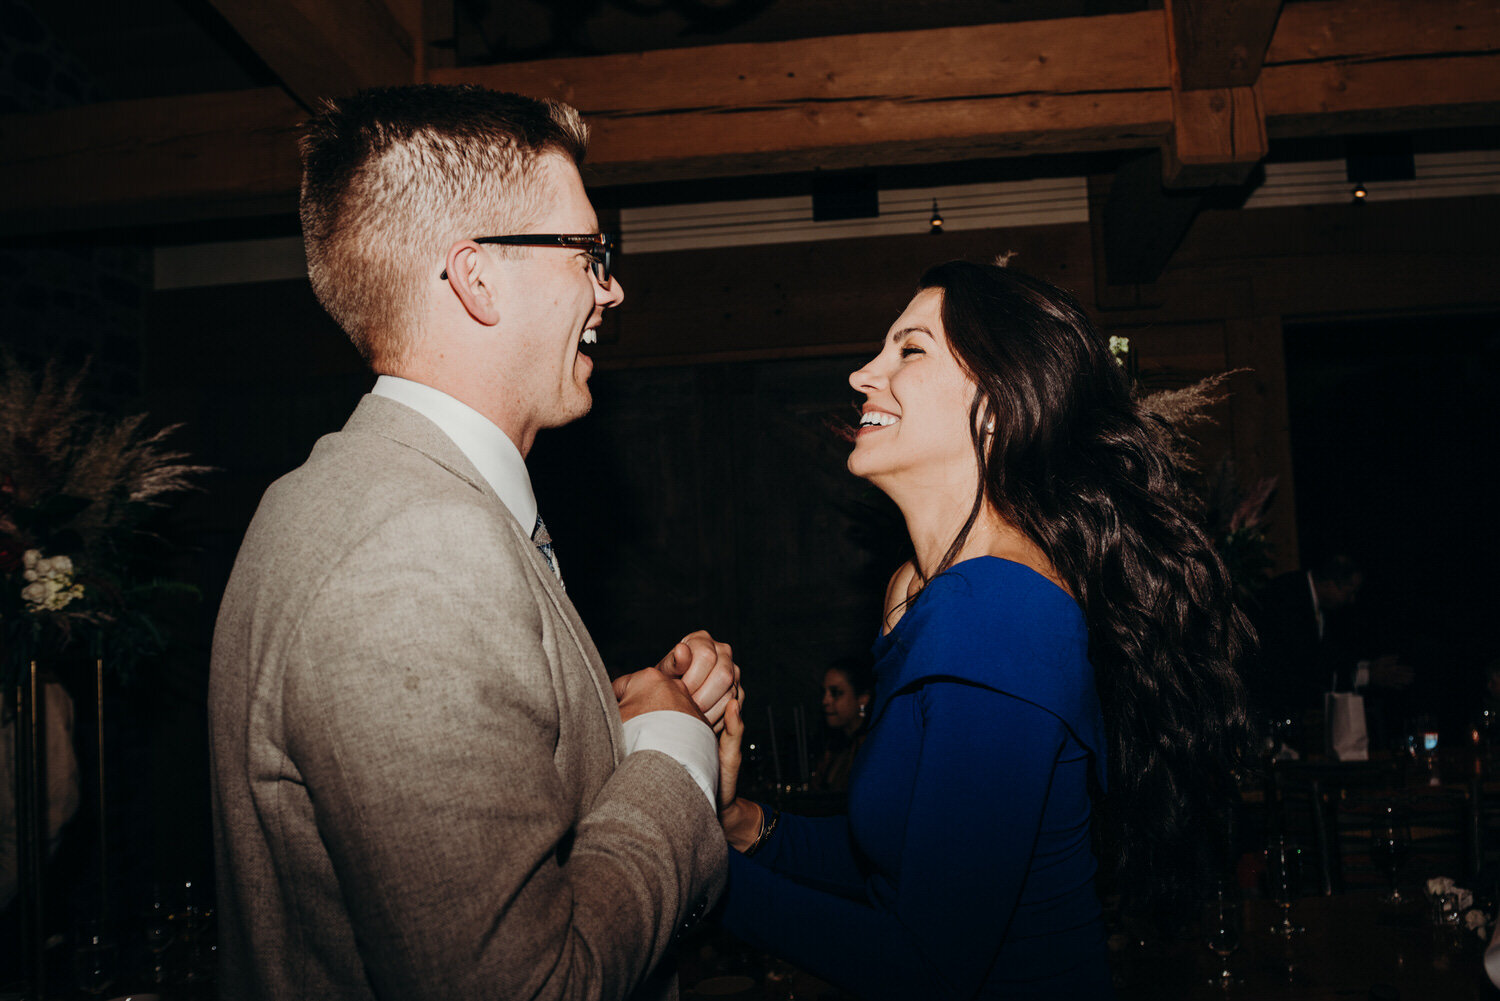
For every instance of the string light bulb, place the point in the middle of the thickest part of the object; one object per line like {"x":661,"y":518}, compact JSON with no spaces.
{"x":935,"y":224}
{"x":1360,"y":194}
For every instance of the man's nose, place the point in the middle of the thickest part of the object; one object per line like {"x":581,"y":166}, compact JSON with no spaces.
{"x":612,"y":296}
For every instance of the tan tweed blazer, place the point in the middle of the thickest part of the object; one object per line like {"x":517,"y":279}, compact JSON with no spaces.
{"x":419,"y":789}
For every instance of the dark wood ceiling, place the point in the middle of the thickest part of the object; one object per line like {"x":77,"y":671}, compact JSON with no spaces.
{"x":194,"y":103}
{"x":168,"y":48}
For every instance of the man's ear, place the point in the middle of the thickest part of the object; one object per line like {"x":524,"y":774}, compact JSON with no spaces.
{"x":471,"y":276}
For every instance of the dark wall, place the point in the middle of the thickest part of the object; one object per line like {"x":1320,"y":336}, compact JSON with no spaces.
{"x":1395,"y":467}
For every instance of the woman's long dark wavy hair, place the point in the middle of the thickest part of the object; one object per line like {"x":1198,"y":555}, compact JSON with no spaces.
{"x":1077,"y":465}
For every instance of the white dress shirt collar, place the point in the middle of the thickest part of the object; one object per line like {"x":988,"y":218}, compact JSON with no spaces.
{"x":485,"y":445}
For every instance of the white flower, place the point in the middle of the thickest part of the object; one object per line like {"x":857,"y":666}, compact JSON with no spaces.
{"x":64,"y":596}
{"x":51,"y":587}
{"x":1465,"y":898}
{"x":1119,"y":347}
{"x":1439,"y":885}
{"x":1475,"y":920}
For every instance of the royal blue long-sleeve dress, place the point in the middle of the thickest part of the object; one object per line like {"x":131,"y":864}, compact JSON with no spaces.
{"x":964,"y":867}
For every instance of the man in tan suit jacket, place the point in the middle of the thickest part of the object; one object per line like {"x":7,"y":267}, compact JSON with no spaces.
{"x":422,"y":785}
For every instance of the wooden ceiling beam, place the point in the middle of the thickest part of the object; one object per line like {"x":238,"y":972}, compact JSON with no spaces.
{"x":1347,"y":66}
{"x":1138,"y":225}
{"x":899,"y":97}
{"x":1218,"y":124}
{"x":1218,"y":137}
{"x":1219,"y":43}
{"x":123,"y":163}
{"x":1334,"y":67}
{"x":328,"y":48}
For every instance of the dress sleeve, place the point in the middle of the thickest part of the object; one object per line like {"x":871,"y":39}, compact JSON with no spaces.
{"x":932,"y":929}
{"x":814,"y":850}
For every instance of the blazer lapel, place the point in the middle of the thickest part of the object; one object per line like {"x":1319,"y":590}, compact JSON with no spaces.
{"x":401,"y":424}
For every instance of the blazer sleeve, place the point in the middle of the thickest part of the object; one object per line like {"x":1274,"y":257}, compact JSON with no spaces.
{"x":934,"y":929}
{"x":425,"y":735}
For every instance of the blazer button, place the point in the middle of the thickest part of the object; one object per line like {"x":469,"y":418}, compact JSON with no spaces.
{"x":695,"y":914}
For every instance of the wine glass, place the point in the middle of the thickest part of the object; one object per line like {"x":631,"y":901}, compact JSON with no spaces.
{"x":1283,"y":879}
{"x":193,"y":917}
{"x":94,"y":957}
{"x":157,"y":927}
{"x":1222,"y":921}
{"x":1390,"y":844}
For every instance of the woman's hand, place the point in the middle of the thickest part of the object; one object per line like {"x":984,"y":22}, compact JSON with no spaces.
{"x":740,"y":818}
{"x":729,"y":754}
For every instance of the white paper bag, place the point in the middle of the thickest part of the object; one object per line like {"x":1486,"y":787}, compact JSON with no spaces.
{"x":1344,"y":722}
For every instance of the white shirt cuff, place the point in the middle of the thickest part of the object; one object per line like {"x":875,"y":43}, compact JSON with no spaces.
{"x":685,"y":739}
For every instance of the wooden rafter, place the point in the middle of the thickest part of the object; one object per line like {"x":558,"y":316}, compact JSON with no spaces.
{"x":1218,"y":123}
{"x":918,"y":96}
{"x":1219,"y":43}
{"x":208,"y":156}
{"x":326,"y":48}
{"x":1333,"y":67}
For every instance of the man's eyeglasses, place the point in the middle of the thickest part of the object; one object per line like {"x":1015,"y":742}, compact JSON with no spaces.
{"x":599,"y":246}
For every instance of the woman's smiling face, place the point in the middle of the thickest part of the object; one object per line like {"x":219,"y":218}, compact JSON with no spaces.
{"x":915,"y":425}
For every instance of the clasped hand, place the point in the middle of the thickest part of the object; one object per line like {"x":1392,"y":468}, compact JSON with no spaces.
{"x":697,"y":676}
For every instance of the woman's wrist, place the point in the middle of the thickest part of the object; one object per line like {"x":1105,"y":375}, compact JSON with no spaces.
{"x":742,"y":821}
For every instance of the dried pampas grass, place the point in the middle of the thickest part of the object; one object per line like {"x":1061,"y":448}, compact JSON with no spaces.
{"x":1181,"y":410}
{"x":52,"y":447}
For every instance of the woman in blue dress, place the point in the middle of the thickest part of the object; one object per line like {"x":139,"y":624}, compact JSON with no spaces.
{"x":1058,"y":656}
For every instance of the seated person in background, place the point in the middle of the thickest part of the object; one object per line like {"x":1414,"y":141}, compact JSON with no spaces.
{"x":848,"y":687}
{"x":1492,"y":686}
{"x":1301,"y":657}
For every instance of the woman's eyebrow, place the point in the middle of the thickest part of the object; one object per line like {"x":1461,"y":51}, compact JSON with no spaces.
{"x":897,"y":336}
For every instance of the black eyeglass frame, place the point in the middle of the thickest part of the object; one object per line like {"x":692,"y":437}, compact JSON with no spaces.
{"x":599,"y":246}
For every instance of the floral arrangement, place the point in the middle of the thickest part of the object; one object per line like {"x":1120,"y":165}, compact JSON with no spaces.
{"x":1461,"y":907}
{"x":75,"y":490}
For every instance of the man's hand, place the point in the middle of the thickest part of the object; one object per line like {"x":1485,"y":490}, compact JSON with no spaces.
{"x":648,"y":690}
{"x":707,"y":668}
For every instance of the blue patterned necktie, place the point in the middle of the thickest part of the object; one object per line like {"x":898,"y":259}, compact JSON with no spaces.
{"x":543,"y":540}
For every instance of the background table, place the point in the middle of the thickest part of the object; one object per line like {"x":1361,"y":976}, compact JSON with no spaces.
{"x":1352,"y":943}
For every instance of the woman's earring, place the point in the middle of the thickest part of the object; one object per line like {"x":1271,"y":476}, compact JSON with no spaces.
{"x":989,"y":426}
{"x":864,"y":709}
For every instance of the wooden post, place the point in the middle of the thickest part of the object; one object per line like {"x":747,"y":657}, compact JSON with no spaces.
{"x":31,"y":833}
{"x":99,"y":736}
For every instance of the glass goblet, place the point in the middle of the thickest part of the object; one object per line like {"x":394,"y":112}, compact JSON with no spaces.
{"x":1223,"y":920}
{"x":1390,"y":846}
{"x":157,"y":927}
{"x":1283,"y":881}
{"x":95,"y":957}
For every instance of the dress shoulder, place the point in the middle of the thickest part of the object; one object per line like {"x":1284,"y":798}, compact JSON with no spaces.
{"x":1000,"y":625}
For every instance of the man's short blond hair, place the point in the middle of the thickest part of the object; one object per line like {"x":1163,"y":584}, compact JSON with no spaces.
{"x":393,"y":176}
